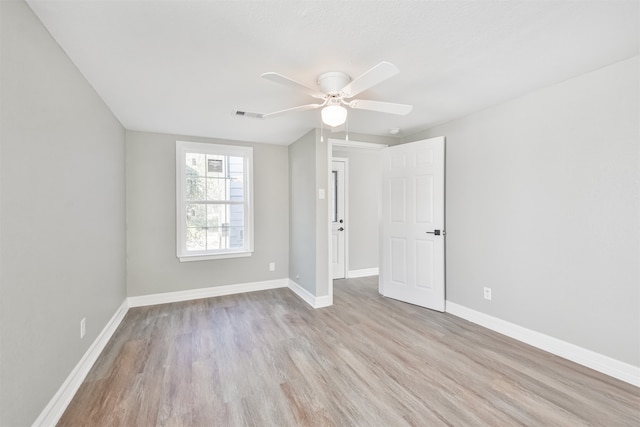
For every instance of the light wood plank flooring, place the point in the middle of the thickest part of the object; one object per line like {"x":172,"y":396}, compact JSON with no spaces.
{"x":268,"y":359}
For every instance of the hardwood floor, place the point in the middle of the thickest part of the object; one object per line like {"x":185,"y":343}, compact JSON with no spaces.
{"x":268,"y":359}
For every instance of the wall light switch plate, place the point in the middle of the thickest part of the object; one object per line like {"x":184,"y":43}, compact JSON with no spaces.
{"x":321,"y":193}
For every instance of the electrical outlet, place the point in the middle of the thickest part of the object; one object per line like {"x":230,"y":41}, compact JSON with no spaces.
{"x":83,"y":327}
{"x":487,"y":293}
{"x":272,"y":266}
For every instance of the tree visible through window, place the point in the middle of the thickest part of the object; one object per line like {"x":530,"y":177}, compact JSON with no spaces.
{"x":214,"y":195}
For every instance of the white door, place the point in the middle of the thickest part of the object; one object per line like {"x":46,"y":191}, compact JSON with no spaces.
{"x":412,"y":223}
{"x":338,"y":222}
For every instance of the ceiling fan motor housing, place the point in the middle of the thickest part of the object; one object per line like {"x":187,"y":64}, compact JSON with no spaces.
{"x":332,"y":82}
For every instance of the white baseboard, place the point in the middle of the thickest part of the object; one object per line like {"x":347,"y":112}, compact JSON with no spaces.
{"x":365,"y":272}
{"x":215,"y":291}
{"x":601,"y":363}
{"x":324,"y":301}
{"x":57,"y":405}
{"x":309,"y":298}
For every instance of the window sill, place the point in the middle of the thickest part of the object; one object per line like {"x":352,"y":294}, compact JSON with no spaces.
{"x":189,"y":258}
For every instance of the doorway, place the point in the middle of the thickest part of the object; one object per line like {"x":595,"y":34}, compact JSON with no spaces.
{"x":401,"y":269}
{"x":360,"y":221}
{"x":339,"y":240}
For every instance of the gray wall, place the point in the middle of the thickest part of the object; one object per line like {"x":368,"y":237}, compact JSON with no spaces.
{"x":151,"y":219}
{"x":302,"y":211}
{"x":362,"y":203}
{"x":62,"y":252}
{"x":543,"y":207}
{"x":309,"y":228}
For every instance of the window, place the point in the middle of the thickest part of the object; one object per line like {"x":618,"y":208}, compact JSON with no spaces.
{"x":334,"y":196}
{"x":214,"y":201}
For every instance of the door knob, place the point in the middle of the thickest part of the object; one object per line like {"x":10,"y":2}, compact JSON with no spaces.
{"x":341,"y":229}
{"x":436,"y":232}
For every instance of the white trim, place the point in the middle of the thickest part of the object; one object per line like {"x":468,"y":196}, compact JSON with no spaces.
{"x":191,"y":258}
{"x":329,"y":265}
{"x":304,"y":294}
{"x":346,"y":145}
{"x":599,"y":362}
{"x":309,"y":298}
{"x":214,"y":291}
{"x":345,"y":216}
{"x":365,"y":272}
{"x":324,"y":301}
{"x":51,"y":414}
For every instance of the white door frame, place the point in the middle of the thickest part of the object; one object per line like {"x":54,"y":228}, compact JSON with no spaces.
{"x":345,"y":212}
{"x":347,"y":145}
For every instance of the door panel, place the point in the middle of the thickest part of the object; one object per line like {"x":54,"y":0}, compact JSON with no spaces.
{"x":335,"y":250}
{"x":399,"y":261}
{"x":424,"y":199}
{"x":397,"y":199}
{"x":424,"y":270}
{"x":412,"y":208}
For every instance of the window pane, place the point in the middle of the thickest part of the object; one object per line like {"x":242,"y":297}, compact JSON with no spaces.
{"x":236,"y":167}
{"x":226,"y":226}
{"x":216,"y":238}
{"x":213,"y":227}
{"x":196,"y":239}
{"x":196,"y":215}
{"x":216,"y":165}
{"x":196,"y":188}
{"x":236,"y":223}
{"x":217,"y":215}
{"x":225,"y":237}
{"x":236,"y":175}
{"x":236,"y":191}
{"x":194,"y":164}
{"x":334,"y":196}
{"x":216,"y":189}
{"x":215,"y":178}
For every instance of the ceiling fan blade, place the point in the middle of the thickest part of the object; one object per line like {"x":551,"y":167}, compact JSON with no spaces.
{"x":383,"y":107}
{"x":291,"y":110}
{"x":286,"y":81}
{"x":375,"y":75}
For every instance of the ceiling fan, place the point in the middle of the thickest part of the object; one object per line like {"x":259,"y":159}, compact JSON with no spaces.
{"x":335,"y":92}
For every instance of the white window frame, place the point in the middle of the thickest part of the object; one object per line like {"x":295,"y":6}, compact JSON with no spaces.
{"x":184,"y":147}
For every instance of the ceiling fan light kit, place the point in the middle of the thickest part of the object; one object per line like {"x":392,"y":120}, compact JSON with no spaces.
{"x":335,"y":87}
{"x":334,"y":115}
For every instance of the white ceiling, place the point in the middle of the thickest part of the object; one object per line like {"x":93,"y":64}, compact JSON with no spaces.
{"x":183,"y":66}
